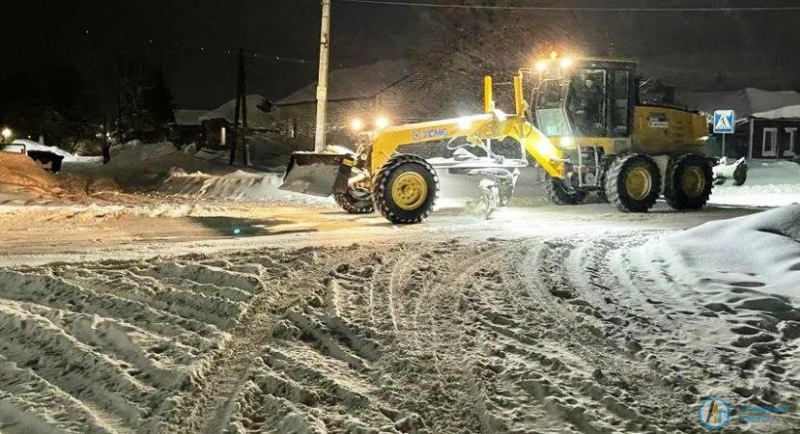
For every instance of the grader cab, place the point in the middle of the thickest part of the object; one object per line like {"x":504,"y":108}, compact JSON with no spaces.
{"x":585,"y":131}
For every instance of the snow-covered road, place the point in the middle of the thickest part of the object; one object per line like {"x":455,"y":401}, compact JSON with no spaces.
{"x":181,"y":311}
{"x":570,"y":326}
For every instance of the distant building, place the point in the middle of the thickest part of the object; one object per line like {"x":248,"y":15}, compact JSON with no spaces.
{"x":187,"y":127}
{"x":393,"y":89}
{"x":218,"y":123}
{"x":767,"y":123}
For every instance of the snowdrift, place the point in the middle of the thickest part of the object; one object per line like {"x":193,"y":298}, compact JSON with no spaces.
{"x":68,"y":157}
{"x":18,"y":169}
{"x":236,"y":186}
{"x":762,"y":250}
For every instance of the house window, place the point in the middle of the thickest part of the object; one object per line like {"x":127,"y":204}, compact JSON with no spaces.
{"x":769,"y":147}
{"x":790,"y":150}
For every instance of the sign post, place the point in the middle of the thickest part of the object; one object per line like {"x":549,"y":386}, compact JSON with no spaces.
{"x":724,"y":124}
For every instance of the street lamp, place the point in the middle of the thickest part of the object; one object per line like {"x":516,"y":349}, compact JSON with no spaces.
{"x":7,"y":134}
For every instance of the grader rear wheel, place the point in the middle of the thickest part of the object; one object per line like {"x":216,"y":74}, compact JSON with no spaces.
{"x":633,"y":183}
{"x":690,"y":179}
{"x":406,"y":189}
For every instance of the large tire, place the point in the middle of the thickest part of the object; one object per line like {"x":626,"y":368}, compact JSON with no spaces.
{"x":559,"y":193}
{"x":690,"y":180}
{"x":406,"y":189}
{"x":633,"y":183}
{"x":355,"y":202}
{"x":605,"y":167}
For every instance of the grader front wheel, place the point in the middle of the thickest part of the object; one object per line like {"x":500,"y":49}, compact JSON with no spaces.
{"x":406,"y":189}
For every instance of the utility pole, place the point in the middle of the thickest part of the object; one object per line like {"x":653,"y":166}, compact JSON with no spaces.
{"x":322,"y":85}
{"x":243,"y":91}
{"x":240,"y":113}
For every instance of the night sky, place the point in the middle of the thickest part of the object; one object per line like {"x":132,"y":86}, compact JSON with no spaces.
{"x":193,"y":39}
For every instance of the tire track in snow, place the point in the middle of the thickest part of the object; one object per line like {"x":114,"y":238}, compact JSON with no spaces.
{"x":107,"y":347}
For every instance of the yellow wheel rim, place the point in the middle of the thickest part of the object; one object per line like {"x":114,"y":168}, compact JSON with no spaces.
{"x":694,"y":182}
{"x":409,"y":191}
{"x":639,"y":183}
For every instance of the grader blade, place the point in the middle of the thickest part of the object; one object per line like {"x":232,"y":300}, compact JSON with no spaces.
{"x":318,"y":174}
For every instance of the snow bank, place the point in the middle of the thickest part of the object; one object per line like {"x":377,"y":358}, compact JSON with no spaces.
{"x":236,"y":186}
{"x":68,"y":157}
{"x":136,"y":151}
{"x":18,"y":169}
{"x":769,"y":184}
{"x":760,"y":252}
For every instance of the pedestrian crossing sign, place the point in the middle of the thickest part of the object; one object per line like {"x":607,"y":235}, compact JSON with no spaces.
{"x":724,"y":122}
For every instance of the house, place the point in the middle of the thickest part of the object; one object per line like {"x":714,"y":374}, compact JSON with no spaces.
{"x":217,"y":124}
{"x":396,"y":90}
{"x":187,"y":127}
{"x":767,"y":121}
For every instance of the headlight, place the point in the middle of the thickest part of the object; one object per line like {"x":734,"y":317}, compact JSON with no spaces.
{"x":382,"y":122}
{"x":357,"y":125}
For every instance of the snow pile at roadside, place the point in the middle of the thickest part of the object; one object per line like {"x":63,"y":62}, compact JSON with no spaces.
{"x":18,"y":169}
{"x":68,"y":157}
{"x":769,"y":183}
{"x":236,"y":186}
{"x":734,"y":285}
{"x":134,"y":151}
{"x":762,"y":249}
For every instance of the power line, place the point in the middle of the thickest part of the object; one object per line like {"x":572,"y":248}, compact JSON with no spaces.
{"x":577,"y":8}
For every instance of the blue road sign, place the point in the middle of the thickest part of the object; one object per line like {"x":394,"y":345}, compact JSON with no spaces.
{"x":724,"y":122}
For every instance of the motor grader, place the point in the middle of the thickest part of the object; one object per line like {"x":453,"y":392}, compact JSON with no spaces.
{"x":585,"y":130}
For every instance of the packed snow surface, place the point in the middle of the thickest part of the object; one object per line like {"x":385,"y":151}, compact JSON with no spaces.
{"x":769,"y":184}
{"x":585,"y":333}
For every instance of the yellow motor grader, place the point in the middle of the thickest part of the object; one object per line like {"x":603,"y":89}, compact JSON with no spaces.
{"x":585,"y":130}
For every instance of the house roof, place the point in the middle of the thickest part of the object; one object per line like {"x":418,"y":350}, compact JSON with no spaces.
{"x":788,"y":112}
{"x":354,"y":83}
{"x":188,"y":118}
{"x":746,"y":103}
{"x":256,"y":117}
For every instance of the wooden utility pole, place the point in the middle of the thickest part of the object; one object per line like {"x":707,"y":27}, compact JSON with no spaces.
{"x":322,"y":84}
{"x":240,"y":113}
{"x":243,"y":92}
{"x":106,"y":145}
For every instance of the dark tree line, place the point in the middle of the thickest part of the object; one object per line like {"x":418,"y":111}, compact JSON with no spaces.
{"x":58,"y":104}
{"x":52,"y":102}
{"x":145,"y":102}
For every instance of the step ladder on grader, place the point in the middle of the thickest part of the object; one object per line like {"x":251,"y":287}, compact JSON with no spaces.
{"x":585,"y":131}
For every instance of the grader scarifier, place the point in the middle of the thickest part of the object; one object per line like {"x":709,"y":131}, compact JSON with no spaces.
{"x":585,"y":130}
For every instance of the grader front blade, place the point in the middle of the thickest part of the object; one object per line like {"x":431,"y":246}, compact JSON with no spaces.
{"x":318,"y":174}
